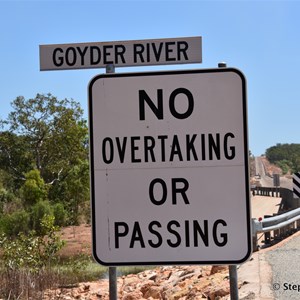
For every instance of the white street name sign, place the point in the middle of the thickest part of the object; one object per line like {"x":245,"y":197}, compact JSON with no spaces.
{"x":184,"y":50}
{"x":169,"y":168}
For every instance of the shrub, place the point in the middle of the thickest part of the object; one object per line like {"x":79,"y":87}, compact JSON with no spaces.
{"x":34,"y":188}
{"x":15,"y":223}
{"x":38,"y":212}
{"x":8,"y":202}
{"x":27,"y":261}
{"x":60,"y":214}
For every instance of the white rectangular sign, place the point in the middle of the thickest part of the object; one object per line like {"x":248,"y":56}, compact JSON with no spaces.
{"x":184,"y":50}
{"x":169,"y":168}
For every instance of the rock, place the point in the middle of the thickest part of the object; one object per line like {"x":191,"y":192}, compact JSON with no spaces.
{"x":134,"y":296}
{"x":161,"y":283}
{"x":218,"y":269}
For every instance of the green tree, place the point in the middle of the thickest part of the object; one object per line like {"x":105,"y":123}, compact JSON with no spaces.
{"x":75,"y":191}
{"x":5,"y":198}
{"x":34,"y":188}
{"x":39,"y":211}
{"x":44,"y":134}
{"x":14,"y":223}
{"x":15,"y":158}
{"x":54,"y":134}
{"x":286,"y":155}
{"x":60,"y":214}
{"x":44,"y":153}
{"x":32,"y":251}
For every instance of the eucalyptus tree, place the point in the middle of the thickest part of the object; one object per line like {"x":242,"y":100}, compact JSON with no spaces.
{"x":44,"y":134}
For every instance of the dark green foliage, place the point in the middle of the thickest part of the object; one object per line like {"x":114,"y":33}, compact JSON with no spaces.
{"x":28,"y":258}
{"x":44,"y":160}
{"x":285,"y":165}
{"x":44,"y":183}
{"x":15,"y":157}
{"x":60,"y":214}
{"x":34,"y":188}
{"x":39,"y":211}
{"x":45,"y":134}
{"x":287,"y":156}
{"x":75,"y":190}
{"x":30,"y":250}
{"x":6,"y":198}
{"x":14,"y":223}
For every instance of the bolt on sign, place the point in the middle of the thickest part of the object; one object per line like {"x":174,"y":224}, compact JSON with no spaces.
{"x":121,"y":54}
{"x":169,"y":167}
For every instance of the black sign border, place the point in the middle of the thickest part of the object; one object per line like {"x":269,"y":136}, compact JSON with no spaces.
{"x":246,"y":160}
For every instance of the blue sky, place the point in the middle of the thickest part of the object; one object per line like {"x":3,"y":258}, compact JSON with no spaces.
{"x":261,"y":38}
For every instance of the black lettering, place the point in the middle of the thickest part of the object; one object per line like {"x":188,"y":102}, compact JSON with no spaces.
{"x":137,"y":236}
{"x":198,"y":230}
{"x":71,"y":56}
{"x":190,"y":147}
{"x":190,"y":103}
{"x":119,"y":53}
{"x":179,"y":190}
{"x":214,"y":146}
{"x":187,"y":233}
{"x":175,"y":150}
{"x":163,"y":138}
{"x":82,"y":53}
{"x":228,"y":155}
{"x":164,"y":191}
{"x":156,"y":233}
{"x":148,"y":52}
{"x":134,"y":148}
{"x":106,"y":53}
{"x":157,"y":52}
{"x":224,"y":236}
{"x":176,"y":234}
{"x":181,"y":50}
{"x":119,"y":233}
{"x":203,"y":155}
{"x":169,"y":50}
{"x":157,"y":110}
{"x":107,"y":144}
{"x":149,"y":144}
{"x":161,"y":148}
{"x":95,"y":55}
{"x":57,"y":60}
{"x":121,"y":148}
{"x":138,"y":50}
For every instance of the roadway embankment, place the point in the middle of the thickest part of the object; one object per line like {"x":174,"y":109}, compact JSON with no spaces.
{"x":272,"y":273}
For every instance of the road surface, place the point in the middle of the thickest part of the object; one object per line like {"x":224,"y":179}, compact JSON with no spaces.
{"x":266,"y":180}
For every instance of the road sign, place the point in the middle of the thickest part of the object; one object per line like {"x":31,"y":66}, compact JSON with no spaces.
{"x":296,"y":185}
{"x":169,"y":168}
{"x":121,"y":54}
{"x":276,"y":180}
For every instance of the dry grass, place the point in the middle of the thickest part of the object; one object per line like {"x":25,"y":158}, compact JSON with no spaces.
{"x":78,"y":240}
{"x":26,"y":284}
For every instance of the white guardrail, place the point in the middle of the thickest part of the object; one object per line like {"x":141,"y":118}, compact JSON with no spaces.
{"x":282,"y":225}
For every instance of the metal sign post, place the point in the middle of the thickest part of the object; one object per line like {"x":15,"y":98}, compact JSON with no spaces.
{"x":112,"y":271}
{"x":233,"y":277}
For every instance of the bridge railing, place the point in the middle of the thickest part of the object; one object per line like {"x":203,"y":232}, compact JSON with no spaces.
{"x":276,"y":228}
{"x":288,"y":201}
{"x":266,"y":191}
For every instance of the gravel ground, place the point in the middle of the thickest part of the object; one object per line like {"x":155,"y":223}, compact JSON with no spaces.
{"x":285,"y":263}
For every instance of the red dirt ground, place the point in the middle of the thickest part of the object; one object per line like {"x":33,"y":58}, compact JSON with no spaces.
{"x":78,"y":240}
